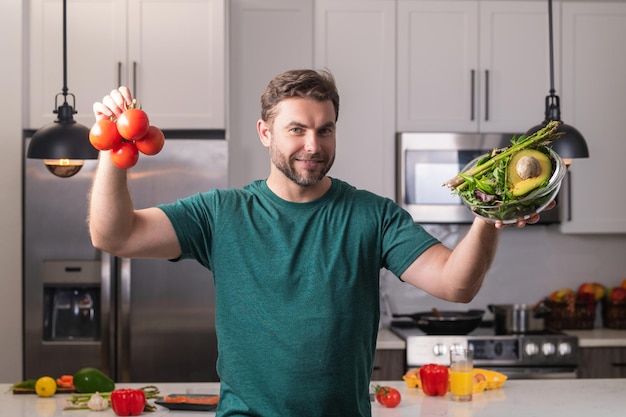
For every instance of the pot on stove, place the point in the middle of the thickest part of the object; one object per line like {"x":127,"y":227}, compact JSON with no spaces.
{"x":519,"y":318}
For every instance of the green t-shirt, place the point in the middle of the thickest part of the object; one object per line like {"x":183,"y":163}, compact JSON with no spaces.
{"x":297,"y":292}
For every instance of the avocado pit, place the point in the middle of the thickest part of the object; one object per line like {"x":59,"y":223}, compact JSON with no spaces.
{"x":528,"y":167}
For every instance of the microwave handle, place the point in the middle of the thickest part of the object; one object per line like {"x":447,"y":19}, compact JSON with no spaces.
{"x":472,"y":95}
{"x":486,"y":95}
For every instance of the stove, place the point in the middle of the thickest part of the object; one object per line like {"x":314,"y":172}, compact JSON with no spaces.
{"x":519,"y":356}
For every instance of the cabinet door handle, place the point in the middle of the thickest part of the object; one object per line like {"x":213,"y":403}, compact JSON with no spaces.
{"x":486,"y":95}
{"x":119,"y":74}
{"x":473,"y":90}
{"x":134,"y":78}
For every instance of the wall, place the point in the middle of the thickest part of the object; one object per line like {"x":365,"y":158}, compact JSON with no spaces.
{"x":530,"y":264}
{"x":11,"y":186}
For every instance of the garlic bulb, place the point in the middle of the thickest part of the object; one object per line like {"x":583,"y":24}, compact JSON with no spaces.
{"x":97,"y":402}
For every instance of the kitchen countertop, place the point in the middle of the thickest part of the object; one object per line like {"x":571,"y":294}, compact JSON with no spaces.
{"x":599,"y":337}
{"x":389,"y":340}
{"x":518,"y":398}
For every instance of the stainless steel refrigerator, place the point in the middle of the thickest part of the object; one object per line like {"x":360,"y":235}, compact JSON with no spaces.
{"x":137,"y":320}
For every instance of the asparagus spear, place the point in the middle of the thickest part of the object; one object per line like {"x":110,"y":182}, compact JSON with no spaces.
{"x":543,"y":136}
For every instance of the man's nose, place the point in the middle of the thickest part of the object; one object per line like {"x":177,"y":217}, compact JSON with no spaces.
{"x":312,"y":142}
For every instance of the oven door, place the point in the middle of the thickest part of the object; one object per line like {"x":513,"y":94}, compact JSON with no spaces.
{"x":539,"y":372}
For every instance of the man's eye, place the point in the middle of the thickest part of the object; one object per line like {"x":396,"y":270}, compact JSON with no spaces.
{"x":296,"y":130}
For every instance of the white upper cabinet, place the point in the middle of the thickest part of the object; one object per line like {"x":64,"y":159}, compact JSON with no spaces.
{"x":355,"y":39}
{"x":265,"y":38}
{"x":171,"y":53}
{"x":472,"y":66}
{"x":592,"y":100}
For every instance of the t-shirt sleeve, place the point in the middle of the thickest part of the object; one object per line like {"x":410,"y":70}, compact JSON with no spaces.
{"x":403,"y":240}
{"x":192,"y":219}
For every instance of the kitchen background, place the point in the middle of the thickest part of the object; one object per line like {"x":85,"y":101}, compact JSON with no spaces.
{"x":372,"y":47}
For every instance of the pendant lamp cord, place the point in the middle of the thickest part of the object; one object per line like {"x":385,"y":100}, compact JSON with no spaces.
{"x":64,"y":52}
{"x":551,"y":39}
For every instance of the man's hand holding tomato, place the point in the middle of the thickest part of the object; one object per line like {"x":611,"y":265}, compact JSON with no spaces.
{"x":123,"y":128}
{"x":114,"y":104}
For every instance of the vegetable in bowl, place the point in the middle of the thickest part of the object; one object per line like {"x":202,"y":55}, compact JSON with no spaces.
{"x":514,"y":182}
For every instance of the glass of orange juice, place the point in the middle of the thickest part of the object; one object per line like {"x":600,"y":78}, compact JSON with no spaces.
{"x":461,"y":374}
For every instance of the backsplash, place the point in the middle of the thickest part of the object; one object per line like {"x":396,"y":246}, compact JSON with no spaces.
{"x":530,"y":264}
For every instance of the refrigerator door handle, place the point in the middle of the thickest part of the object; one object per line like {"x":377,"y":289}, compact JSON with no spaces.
{"x":123,"y":320}
{"x":107,"y":325}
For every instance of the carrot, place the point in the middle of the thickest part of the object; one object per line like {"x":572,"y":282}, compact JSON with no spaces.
{"x":65,"y":381}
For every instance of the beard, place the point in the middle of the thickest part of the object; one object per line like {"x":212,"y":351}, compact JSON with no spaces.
{"x":306,"y":177}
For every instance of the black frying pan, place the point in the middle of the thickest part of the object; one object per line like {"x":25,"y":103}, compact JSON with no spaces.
{"x":446,"y":322}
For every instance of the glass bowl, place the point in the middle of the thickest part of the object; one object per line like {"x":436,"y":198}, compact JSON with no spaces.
{"x":534,"y":202}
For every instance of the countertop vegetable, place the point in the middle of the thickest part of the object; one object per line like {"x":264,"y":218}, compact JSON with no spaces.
{"x":387,"y":396}
{"x":434,"y":379}
{"x":97,"y":402}
{"x":128,"y":401}
{"x":90,"y":380}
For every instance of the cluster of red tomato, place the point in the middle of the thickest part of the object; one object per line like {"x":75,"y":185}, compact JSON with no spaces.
{"x":125,"y":137}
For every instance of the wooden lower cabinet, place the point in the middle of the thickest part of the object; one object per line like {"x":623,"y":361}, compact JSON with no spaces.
{"x":389,"y":364}
{"x":602,"y":362}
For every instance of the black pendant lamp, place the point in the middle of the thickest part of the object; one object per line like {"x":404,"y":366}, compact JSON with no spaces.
{"x":571,"y":144}
{"x":63,"y":144}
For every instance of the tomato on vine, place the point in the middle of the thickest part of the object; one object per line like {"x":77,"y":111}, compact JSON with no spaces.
{"x":125,"y":156}
{"x":104,"y":135}
{"x":152,"y":142}
{"x":133,"y":123}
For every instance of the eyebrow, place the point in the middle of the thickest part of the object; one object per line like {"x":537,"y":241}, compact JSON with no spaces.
{"x":302,"y":125}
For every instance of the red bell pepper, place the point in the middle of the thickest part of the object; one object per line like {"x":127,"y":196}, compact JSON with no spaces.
{"x":128,"y":402}
{"x":434,"y":379}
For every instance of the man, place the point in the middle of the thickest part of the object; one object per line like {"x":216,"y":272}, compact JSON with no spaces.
{"x":295,"y":258}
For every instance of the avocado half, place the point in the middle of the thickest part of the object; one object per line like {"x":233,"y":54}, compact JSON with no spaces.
{"x":527,"y":170}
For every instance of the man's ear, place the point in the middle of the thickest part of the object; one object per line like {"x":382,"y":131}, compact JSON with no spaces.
{"x":264,"y":132}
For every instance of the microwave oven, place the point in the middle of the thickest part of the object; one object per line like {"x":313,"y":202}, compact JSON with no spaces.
{"x":425,"y":161}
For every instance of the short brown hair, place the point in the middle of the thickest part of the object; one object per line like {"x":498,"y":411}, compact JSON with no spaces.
{"x":317,"y":85}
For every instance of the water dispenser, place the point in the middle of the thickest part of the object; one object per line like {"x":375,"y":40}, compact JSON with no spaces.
{"x":71,"y":302}
{"x":71,"y":313}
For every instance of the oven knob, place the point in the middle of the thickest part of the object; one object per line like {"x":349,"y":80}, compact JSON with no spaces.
{"x":455,"y":346}
{"x":439,"y":349}
{"x":565,"y":349}
{"x":548,"y":349}
{"x":531,"y":349}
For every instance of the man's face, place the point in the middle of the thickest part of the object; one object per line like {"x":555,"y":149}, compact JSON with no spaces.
{"x":302,"y":139}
